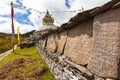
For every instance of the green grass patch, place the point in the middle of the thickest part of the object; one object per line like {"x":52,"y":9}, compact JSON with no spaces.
{"x":25,"y":64}
{"x":6,"y":42}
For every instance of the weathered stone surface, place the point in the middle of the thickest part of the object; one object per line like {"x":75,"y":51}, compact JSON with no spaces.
{"x":41,"y":44}
{"x":106,"y":52}
{"x":84,"y":70}
{"x":61,"y":40}
{"x":98,"y":78}
{"x":61,"y":69}
{"x":110,"y":79}
{"x":51,"y":44}
{"x":79,"y":43}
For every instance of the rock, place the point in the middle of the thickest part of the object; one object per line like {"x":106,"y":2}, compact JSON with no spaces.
{"x":110,"y":79}
{"x":41,"y":44}
{"x":51,"y":44}
{"x":26,"y":44}
{"x":60,"y":71}
{"x":84,"y":70}
{"x":61,"y":40}
{"x":98,"y":78}
{"x":105,"y":59}
{"x":79,"y":43}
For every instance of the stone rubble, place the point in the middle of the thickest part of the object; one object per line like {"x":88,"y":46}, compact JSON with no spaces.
{"x":63,"y":70}
{"x":60,"y":68}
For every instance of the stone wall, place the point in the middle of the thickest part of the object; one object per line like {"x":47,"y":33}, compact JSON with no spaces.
{"x":61,"y":69}
{"x":56,"y":42}
{"x":79,"y":43}
{"x":51,"y":43}
{"x":61,"y":41}
{"x":75,"y":45}
{"x":106,"y":51}
{"x":90,"y":50}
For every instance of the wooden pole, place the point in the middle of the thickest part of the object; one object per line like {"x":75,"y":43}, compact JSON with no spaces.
{"x":12,"y":25}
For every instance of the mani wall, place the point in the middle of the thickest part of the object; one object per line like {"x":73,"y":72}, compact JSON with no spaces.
{"x":106,"y":45}
{"x":73,"y":45}
{"x":85,"y":48}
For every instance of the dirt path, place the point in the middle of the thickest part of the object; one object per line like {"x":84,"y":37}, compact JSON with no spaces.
{"x":3,"y":55}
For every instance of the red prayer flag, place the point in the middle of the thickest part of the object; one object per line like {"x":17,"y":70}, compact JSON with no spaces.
{"x":12,"y":15}
{"x":12,"y":25}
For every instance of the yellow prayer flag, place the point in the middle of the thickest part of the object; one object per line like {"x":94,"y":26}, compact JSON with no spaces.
{"x":18,"y":30}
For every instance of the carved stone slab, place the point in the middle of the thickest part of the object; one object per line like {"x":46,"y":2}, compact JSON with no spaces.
{"x":61,"y":40}
{"x":79,"y":43}
{"x":51,"y":43}
{"x":106,"y":52}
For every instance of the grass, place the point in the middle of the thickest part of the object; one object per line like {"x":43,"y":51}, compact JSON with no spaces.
{"x":5,"y":42}
{"x":25,"y":64}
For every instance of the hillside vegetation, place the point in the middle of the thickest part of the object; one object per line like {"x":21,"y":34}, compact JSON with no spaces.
{"x":26,"y":64}
{"x":5,"y":42}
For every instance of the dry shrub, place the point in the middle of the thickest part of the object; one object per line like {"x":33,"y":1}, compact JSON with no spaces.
{"x":5,"y":71}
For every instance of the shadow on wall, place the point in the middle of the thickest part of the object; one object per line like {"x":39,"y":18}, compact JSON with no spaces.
{"x":104,"y":61}
{"x":79,"y":42}
{"x":81,"y":29}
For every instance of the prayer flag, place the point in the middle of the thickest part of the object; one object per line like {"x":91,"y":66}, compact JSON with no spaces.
{"x":18,"y":30}
{"x":12,"y":25}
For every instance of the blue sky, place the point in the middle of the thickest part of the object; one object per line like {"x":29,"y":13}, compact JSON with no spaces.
{"x":22,"y":18}
{"x":67,"y":3}
{"x":18,"y":16}
{"x":30,"y":19}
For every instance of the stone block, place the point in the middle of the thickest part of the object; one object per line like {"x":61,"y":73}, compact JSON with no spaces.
{"x":61,"y":40}
{"x":51,"y":43}
{"x":42,"y":44}
{"x":106,"y":52}
{"x":79,"y":43}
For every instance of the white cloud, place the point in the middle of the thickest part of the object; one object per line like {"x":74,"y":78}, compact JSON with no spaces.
{"x":87,"y":4}
{"x":5,"y":19}
{"x":6,"y":27}
{"x":58,"y":5}
{"x":43,"y":5}
{"x":4,"y":7}
{"x":21,"y":11}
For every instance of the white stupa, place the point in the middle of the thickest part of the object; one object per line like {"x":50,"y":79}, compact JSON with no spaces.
{"x":47,"y":22}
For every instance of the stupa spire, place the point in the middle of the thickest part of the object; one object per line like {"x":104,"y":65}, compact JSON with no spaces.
{"x":48,"y":20}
